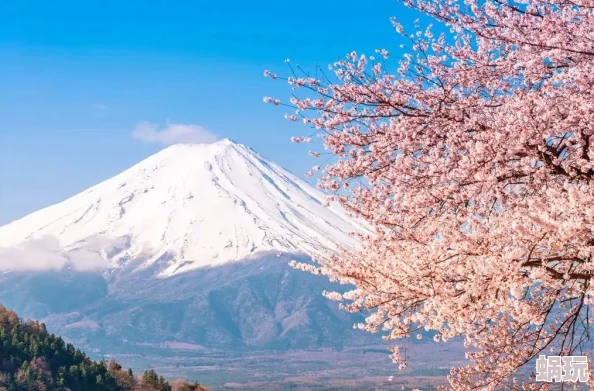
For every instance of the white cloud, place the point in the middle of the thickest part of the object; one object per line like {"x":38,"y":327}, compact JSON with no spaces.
{"x":45,"y":253}
{"x":173,"y":134}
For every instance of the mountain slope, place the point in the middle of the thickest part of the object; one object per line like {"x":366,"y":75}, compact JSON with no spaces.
{"x":259,"y":304}
{"x":190,"y":206}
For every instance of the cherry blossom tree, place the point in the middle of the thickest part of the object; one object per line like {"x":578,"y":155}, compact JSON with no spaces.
{"x":474,"y":163}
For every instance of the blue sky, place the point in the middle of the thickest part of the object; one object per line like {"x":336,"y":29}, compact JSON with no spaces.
{"x":76,"y":77}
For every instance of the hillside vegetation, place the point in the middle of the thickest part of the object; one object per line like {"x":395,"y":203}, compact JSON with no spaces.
{"x":31,"y":359}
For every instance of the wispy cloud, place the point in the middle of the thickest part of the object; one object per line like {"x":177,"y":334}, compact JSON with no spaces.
{"x":45,"y":253}
{"x":99,"y":106}
{"x":173,"y":134}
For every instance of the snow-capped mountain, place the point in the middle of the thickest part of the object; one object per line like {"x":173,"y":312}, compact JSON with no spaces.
{"x":217,"y":225}
{"x":190,"y":206}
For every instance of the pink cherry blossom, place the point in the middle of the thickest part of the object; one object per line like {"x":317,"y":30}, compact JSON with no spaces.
{"x":474,"y":163}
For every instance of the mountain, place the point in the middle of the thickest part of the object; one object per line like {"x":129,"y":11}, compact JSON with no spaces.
{"x":187,"y":207}
{"x":185,"y":255}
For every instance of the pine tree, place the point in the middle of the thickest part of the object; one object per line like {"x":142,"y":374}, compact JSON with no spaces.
{"x":31,"y":359}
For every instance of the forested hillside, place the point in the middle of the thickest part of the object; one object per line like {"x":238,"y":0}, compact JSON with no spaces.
{"x":31,"y":359}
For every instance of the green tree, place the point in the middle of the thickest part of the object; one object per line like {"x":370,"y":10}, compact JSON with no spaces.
{"x":31,"y":359}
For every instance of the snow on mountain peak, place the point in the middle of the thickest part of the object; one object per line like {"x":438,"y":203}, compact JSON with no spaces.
{"x":190,"y":206}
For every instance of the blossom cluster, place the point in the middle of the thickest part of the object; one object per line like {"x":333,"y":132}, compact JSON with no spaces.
{"x":474,"y":163}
